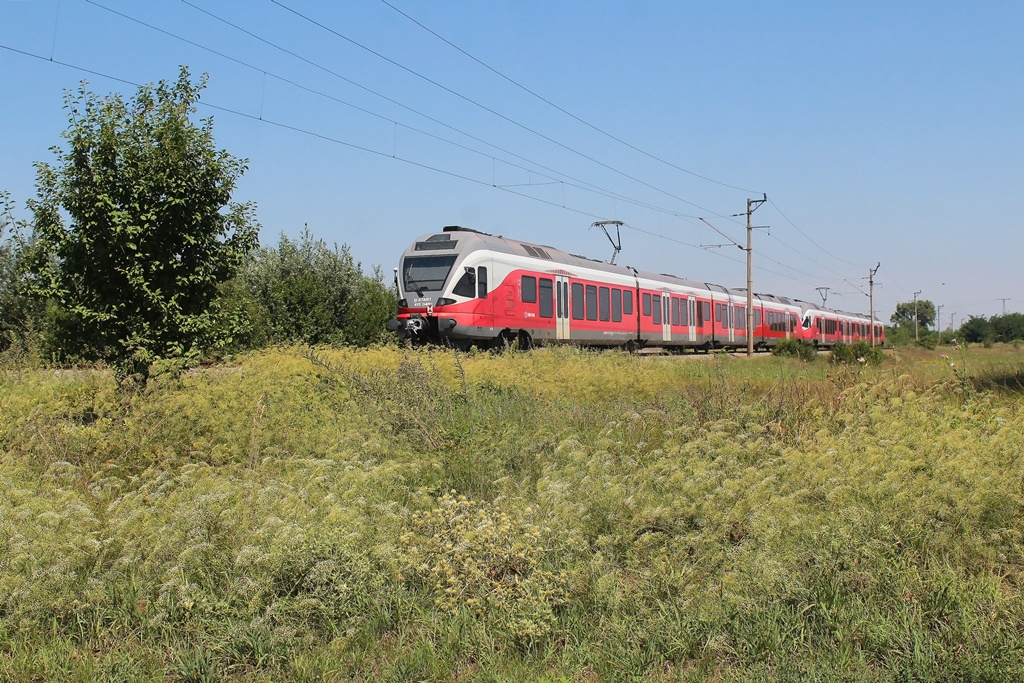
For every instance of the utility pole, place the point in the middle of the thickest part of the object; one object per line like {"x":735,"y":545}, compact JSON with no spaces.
{"x":916,"y":337}
{"x":871,"y":298}
{"x":1004,"y":304}
{"x":752,"y":205}
{"x":938,"y":322}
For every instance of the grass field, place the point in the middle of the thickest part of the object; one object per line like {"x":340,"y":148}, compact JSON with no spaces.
{"x":556,"y":515}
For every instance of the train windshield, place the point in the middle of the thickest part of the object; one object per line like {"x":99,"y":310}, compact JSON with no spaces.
{"x":426,"y":273}
{"x":807,"y":322}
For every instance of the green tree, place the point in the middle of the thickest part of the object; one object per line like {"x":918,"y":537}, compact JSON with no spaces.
{"x":152,"y":231}
{"x":904,"y":315}
{"x":1008,"y":327}
{"x":976,"y":329}
{"x":20,"y":312}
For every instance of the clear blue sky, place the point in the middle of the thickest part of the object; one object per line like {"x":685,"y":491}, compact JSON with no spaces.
{"x":880,"y":131}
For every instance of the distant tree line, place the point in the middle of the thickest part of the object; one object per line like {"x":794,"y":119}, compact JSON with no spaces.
{"x":999,"y":328}
{"x":135,"y":251}
{"x":975,"y":330}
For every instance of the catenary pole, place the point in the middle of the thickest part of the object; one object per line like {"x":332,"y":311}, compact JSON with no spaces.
{"x":916,"y":337}
{"x":752,"y":205}
{"x":871,"y":298}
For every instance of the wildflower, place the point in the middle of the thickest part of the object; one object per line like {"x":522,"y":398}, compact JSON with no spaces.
{"x":861,"y":359}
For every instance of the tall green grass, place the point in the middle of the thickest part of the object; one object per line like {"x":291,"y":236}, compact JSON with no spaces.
{"x":553,"y":515}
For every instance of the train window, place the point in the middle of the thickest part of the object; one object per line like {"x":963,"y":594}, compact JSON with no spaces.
{"x":627,"y":302}
{"x":577,"y":301}
{"x":757,"y":317}
{"x":616,"y":305}
{"x":426,"y":273}
{"x":793,"y":324}
{"x":707,"y":309}
{"x":675,"y":312}
{"x":684,"y":312}
{"x":481,"y":282}
{"x":656,"y":308}
{"x":591,"y":302}
{"x":433,"y":245}
{"x":740,"y":319}
{"x":647,"y":304}
{"x":718,"y":315}
{"x":546,"y":307}
{"x":466,"y":286}
{"x":605,"y":304}
{"x":529,"y":289}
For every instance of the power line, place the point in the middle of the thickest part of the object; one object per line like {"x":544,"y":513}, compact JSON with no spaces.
{"x":577,"y":183}
{"x":477,"y":104}
{"x":809,"y":239}
{"x":369,"y":150}
{"x":373,"y":151}
{"x":320,"y":136}
{"x":555,"y":106}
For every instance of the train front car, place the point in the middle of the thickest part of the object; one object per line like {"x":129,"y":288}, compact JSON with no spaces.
{"x":442,"y":281}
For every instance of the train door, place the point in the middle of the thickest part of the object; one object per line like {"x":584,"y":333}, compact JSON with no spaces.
{"x":562,"y":307}
{"x":666,"y":318}
{"x":692,"y":319}
{"x":730,"y":320}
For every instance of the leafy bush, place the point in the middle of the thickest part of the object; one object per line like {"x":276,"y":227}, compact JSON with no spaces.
{"x":304,"y":291}
{"x":857,"y":352}
{"x":926,"y":342}
{"x":21,"y":313}
{"x":794,"y":348}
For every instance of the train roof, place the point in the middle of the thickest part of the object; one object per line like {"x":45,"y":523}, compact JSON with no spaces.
{"x":451,"y":234}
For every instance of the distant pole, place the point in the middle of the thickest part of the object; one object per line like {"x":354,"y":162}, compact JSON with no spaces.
{"x":938,"y":322}
{"x":916,"y":337}
{"x":1004,"y":304}
{"x":752,"y":205}
{"x":823,"y":291}
{"x":871,"y":298}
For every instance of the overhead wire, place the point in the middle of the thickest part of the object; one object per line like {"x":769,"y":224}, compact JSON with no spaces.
{"x":561,"y":109}
{"x":481,"y":106}
{"x":576,"y":182}
{"x":369,"y":150}
{"x":809,"y":239}
{"x":613,"y":137}
{"x":445,"y":88}
{"x":591,"y":188}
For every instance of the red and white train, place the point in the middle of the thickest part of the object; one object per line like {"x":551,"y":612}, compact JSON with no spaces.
{"x":463,"y":287}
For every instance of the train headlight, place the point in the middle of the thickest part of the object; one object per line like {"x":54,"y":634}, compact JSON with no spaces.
{"x":445,"y":301}
{"x":403,"y":303}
